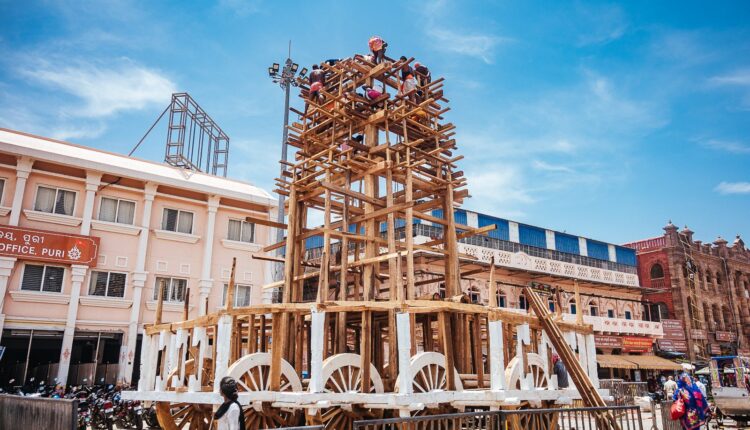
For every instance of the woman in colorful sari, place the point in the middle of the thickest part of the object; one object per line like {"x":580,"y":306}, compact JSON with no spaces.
{"x":696,"y":406}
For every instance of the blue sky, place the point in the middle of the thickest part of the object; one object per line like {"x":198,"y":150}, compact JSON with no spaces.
{"x":600,"y":119}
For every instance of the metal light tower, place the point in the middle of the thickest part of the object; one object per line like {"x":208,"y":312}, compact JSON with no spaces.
{"x":286,"y":78}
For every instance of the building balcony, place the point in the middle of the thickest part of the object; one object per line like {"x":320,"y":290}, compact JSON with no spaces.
{"x":523,"y":261}
{"x":606,"y":325}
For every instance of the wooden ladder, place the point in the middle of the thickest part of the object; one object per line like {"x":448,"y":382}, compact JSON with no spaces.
{"x":589,"y":394}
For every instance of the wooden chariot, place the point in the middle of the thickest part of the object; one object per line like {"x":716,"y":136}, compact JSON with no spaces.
{"x":350,"y":340}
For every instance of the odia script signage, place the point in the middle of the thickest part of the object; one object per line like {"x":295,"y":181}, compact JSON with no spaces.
{"x":43,"y":245}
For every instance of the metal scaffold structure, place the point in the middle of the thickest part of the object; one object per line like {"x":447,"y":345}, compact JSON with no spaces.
{"x":350,"y":339}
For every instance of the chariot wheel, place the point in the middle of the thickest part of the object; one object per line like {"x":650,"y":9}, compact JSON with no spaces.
{"x":531,"y":420}
{"x":342,"y":374}
{"x":182,"y":416}
{"x":536,"y":366}
{"x":252,"y":373}
{"x":429,"y":375}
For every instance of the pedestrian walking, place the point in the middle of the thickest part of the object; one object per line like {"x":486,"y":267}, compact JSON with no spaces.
{"x":229,"y":416}
{"x":690,"y":405}
{"x":558,"y":368}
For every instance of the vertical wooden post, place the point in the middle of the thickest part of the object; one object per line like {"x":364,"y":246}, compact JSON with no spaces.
{"x":186,"y":307}
{"x":579,"y":311}
{"x":452,"y":280}
{"x":477,"y":343}
{"x":160,"y":302}
{"x":496,"y":357}
{"x":444,"y":322}
{"x":230,"y":287}
{"x":365,"y":349}
{"x":491,"y":285}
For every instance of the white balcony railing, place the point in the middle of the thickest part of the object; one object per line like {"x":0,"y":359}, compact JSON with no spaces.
{"x":607,"y":325}
{"x":523,"y":261}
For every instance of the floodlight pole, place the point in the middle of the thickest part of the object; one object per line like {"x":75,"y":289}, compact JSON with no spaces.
{"x":286,"y":78}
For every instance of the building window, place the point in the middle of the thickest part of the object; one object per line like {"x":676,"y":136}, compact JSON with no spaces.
{"x":610,"y":313}
{"x":593,"y":310}
{"x":628,"y":315}
{"x":657,"y":272}
{"x":474,"y":295}
{"x":441,"y":291}
{"x":107,"y":284}
{"x":501,"y":300}
{"x":116,"y":210}
{"x":2,"y":189}
{"x":551,"y":304}
{"x":55,"y":200}
{"x":177,"y":221}
{"x":241,"y":231}
{"x":241,"y":295}
{"x":174,"y":289}
{"x":572,"y":307}
{"x":42,"y":278}
{"x":522,"y":302}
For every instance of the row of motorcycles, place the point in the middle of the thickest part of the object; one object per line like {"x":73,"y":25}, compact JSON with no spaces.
{"x":99,"y":406}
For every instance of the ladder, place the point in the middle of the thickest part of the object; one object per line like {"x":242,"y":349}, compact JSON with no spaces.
{"x":591,"y":397}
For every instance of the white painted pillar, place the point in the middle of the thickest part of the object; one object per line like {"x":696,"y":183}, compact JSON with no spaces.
{"x":549,"y":237}
{"x":317,"y":341}
{"x":206,"y":282}
{"x":591,"y":352}
{"x":523,"y":337}
{"x":403,"y":337}
{"x":583,"y":247}
{"x":23,"y":168}
{"x":472,"y":219}
{"x":138,"y":281}
{"x":6,"y":269}
{"x":93,"y":179}
{"x":496,"y":358}
{"x":612,"y":253}
{"x":223,"y":346}
{"x":77,"y":274}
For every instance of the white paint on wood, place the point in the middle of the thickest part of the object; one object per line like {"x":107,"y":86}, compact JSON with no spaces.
{"x":317,"y":323}
{"x":404,"y":352}
{"x":591,"y":352}
{"x":496,"y":358}
{"x":223,"y":348}
{"x":200,"y":340}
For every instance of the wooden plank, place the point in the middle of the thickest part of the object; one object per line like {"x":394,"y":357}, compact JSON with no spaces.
{"x":230,"y":287}
{"x":353,"y":194}
{"x":266,"y":222}
{"x":477,"y":343}
{"x":469,"y":233}
{"x":447,"y":339}
{"x":365,"y":349}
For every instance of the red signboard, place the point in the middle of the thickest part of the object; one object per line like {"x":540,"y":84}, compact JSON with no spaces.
{"x":715,"y":349}
{"x":636,"y":344}
{"x":43,"y":245}
{"x":725,"y":336}
{"x":696,"y":333}
{"x":672,"y":345}
{"x":673,"y":329}
{"x":607,"y":341}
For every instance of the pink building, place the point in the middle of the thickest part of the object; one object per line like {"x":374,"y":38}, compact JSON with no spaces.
{"x":86,"y":238}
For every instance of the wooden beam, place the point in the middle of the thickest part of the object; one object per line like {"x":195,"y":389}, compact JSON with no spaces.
{"x":266,"y":222}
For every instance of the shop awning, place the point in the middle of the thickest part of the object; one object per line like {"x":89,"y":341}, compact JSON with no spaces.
{"x":653,"y":362}
{"x":614,"y":361}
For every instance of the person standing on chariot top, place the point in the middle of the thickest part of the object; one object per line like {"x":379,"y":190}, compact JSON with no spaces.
{"x":377,"y":47}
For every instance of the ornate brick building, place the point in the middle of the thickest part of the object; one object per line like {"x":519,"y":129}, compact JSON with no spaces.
{"x":704,"y":285}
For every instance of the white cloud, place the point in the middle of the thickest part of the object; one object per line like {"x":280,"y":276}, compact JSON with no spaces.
{"x":497,"y":188}
{"x":602,"y":24}
{"x":241,"y":7}
{"x":480,"y":46}
{"x":733,"y":188}
{"x":104,"y":88}
{"x":728,"y":146}
{"x":75,"y":132}
{"x":547,"y":167}
{"x":736,"y":78}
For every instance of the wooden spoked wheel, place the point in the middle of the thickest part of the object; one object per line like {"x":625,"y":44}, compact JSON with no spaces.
{"x":252,"y":373}
{"x":533,"y":421}
{"x":429,"y":375}
{"x":537,"y":369}
{"x":190,"y":416}
{"x":342,"y":374}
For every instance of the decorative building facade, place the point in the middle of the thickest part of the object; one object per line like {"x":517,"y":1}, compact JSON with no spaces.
{"x":87,"y":237}
{"x":705,"y":287}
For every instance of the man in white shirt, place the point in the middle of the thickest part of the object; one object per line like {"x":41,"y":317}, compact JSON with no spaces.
{"x":670,"y":387}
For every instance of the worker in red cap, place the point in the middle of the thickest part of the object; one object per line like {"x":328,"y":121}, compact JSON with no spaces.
{"x":423,"y":73}
{"x":558,"y":368}
{"x":377,"y":47}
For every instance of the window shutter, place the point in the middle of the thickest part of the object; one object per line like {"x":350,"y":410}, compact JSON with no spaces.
{"x":185,"y":225}
{"x":32,"y":277}
{"x":126,"y":212}
{"x":116,"y":285}
{"x":53,"y":279}
{"x":98,"y":284}
{"x":45,"y":199}
{"x":2,"y":187}
{"x":248,"y":232}
{"x":169,"y":220}
{"x":234,"y":230}
{"x":157,"y":286}
{"x":107,"y":209}
{"x":65,"y":202}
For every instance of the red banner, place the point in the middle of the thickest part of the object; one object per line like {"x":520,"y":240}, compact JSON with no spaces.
{"x":43,"y":245}
{"x":636,"y":344}
{"x":725,"y":336}
{"x":672,"y":345}
{"x":602,"y":341}
{"x":673,"y":329}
